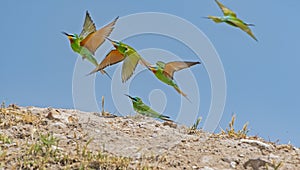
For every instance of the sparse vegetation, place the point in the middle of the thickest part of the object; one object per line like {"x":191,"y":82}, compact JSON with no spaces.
{"x":2,"y":105}
{"x":40,"y":150}
{"x":276,"y":165}
{"x":5,"y":139}
{"x":45,"y":152}
{"x":231,"y":132}
{"x":194,"y":127}
{"x":32,"y":138}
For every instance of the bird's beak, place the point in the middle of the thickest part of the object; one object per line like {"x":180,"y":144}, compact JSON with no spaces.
{"x":68,"y":35}
{"x":109,"y":39}
{"x":205,"y":17}
{"x":151,"y":68}
{"x":114,"y":43}
{"x":65,"y":33}
{"x":129,"y":96}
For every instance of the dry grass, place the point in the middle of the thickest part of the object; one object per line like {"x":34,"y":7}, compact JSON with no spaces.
{"x":194,"y":127}
{"x":46,"y":138}
{"x":41,"y":150}
{"x":231,"y":132}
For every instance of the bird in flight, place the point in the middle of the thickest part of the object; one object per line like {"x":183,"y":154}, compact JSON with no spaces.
{"x":165,"y":71}
{"x":231,"y":18}
{"x":90,"y":39}
{"x":122,"y":52}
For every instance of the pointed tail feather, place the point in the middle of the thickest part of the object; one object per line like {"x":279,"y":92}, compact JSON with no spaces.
{"x":165,"y":118}
{"x":104,"y":72}
{"x":101,"y":71}
{"x":250,"y":25}
{"x":181,"y":92}
{"x":92,"y":72}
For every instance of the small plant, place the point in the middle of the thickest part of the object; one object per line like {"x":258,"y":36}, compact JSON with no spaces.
{"x":196,"y":124}
{"x":274,"y":165}
{"x":5,"y":139}
{"x":48,"y":140}
{"x":233,"y":133}
{"x":85,"y":152}
{"x":40,"y":153}
{"x":3,"y":105}
{"x":194,"y":127}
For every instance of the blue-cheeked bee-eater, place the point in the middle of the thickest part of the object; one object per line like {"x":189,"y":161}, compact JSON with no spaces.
{"x":231,"y":18}
{"x":165,"y":71}
{"x":87,"y":42}
{"x":122,"y":52}
{"x":145,"y":110}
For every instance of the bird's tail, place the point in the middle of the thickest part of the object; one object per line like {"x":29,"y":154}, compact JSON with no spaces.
{"x":250,"y":25}
{"x":101,"y":71}
{"x":181,"y":92}
{"x":165,"y":118}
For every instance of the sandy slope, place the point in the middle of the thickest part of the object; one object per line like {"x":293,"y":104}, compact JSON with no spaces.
{"x":127,"y":143}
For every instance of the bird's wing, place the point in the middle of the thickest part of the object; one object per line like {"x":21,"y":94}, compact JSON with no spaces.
{"x":95,"y":39}
{"x":88,"y":26}
{"x":244,"y":27}
{"x":113,"y":57}
{"x":129,"y":65}
{"x":171,"y":67}
{"x":153,"y":113}
{"x":226,"y":11}
{"x":143,"y":107}
{"x":147,"y":111}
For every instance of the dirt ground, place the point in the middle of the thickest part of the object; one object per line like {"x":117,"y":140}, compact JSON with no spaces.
{"x":48,"y":138}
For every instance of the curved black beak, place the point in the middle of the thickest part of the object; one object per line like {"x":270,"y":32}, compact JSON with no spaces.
{"x":114,"y":43}
{"x":65,"y":33}
{"x":109,"y":39}
{"x":129,"y":96}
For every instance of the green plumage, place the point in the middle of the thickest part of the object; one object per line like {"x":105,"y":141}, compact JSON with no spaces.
{"x":122,"y":52}
{"x":83,"y":51}
{"x":89,"y":39}
{"x":164,"y":72}
{"x":231,"y":18}
{"x":145,"y":110}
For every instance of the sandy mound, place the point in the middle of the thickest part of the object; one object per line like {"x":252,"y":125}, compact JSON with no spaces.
{"x":47,"y":138}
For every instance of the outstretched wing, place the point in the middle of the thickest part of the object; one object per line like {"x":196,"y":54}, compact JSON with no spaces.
{"x":171,"y":67}
{"x":226,"y":11}
{"x":113,"y":57}
{"x":244,"y":27}
{"x":129,"y":65}
{"x":95,"y":39}
{"x":88,"y":26}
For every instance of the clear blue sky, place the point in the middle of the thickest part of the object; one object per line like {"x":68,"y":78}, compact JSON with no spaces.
{"x":37,"y":63}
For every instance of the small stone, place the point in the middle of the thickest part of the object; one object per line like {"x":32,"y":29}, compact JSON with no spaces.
{"x":233,"y":164}
{"x":241,"y":155}
{"x":72,"y":119}
{"x":272,"y":156}
{"x":170,"y":124}
{"x":207,"y":168}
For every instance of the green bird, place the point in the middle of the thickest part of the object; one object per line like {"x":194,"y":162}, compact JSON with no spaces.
{"x":165,"y":71}
{"x":145,"y":110}
{"x":87,"y":42}
{"x":122,"y":52}
{"x":230,"y":18}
